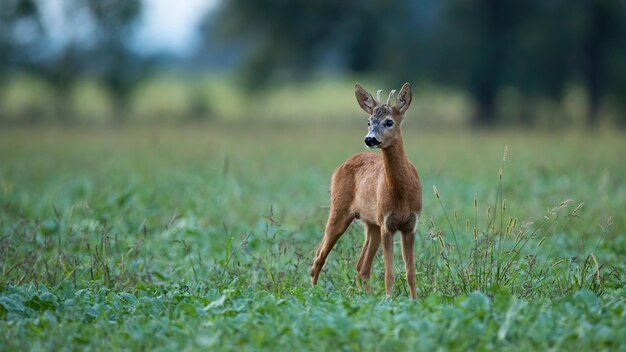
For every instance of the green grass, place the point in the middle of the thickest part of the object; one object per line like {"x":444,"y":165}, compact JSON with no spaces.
{"x":218,"y":96}
{"x":202,"y":237}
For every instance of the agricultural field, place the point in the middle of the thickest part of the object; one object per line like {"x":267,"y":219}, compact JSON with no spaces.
{"x":201,"y":237}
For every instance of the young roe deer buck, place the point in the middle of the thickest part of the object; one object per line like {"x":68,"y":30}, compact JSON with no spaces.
{"x":383,"y":191}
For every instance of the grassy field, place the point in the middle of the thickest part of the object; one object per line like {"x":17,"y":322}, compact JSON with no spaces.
{"x":218,"y":96}
{"x":201,"y":237}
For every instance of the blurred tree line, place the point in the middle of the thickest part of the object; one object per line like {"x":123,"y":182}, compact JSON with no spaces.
{"x":529,"y":51}
{"x":99,"y":47}
{"x":537,"y":48}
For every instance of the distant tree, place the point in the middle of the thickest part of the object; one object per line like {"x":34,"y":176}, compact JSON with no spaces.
{"x":474,"y":45}
{"x":107,"y":54}
{"x":464,"y":43}
{"x":61,"y":71}
{"x":480,"y":46}
{"x":539,"y":47}
{"x":597,"y":25}
{"x":616,"y":70}
{"x":289,"y":38}
{"x":20,"y":31}
{"x":540,"y":64}
{"x":112,"y":59}
{"x":562,"y":42}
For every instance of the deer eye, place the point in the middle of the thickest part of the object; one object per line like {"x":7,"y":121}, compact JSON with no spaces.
{"x":368,"y":123}
{"x":389,"y":123}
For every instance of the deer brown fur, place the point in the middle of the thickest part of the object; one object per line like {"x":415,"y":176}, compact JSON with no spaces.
{"x":383,"y":191}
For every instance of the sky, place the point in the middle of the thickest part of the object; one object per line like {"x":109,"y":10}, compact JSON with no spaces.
{"x":171,"y":26}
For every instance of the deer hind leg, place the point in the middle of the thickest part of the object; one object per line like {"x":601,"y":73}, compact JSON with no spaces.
{"x":387,"y":241}
{"x":337,"y":224}
{"x":408,"y":240}
{"x":370,"y":247}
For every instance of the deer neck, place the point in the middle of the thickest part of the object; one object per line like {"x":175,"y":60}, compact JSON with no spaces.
{"x":397,"y":168}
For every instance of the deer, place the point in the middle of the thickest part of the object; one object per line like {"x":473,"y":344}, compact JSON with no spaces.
{"x":383,"y":191}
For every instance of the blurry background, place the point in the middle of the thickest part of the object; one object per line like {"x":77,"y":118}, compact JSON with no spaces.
{"x":472,"y":62}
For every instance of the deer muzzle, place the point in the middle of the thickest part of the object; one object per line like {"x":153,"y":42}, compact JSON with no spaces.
{"x":371,"y":141}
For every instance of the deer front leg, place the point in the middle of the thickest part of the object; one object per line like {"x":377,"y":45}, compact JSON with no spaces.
{"x":387,"y":239}
{"x":370,"y":247}
{"x":408,"y":240}
{"x":336,"y":226}
{"x":359,"y":263}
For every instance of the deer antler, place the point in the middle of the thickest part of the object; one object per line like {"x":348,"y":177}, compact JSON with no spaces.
{"x":393,"y":91}
{"x":378,"y":95}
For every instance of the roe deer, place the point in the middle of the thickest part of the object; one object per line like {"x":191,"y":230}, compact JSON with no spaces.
{"x":383,"y":191}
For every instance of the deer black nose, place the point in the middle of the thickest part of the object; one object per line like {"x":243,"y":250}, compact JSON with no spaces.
{"x":371,"y":141}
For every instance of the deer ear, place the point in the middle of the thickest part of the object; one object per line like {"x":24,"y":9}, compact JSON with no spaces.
{"x":366,"y":100}
{"x":404,"y":98}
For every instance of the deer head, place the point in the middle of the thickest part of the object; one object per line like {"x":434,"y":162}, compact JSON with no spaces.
{"x":383,"y":125}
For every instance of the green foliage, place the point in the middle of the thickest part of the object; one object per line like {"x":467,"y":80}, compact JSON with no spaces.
{"x":505,"y":257}
{"x":183,"y":317}
{"x":202,"y":237}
